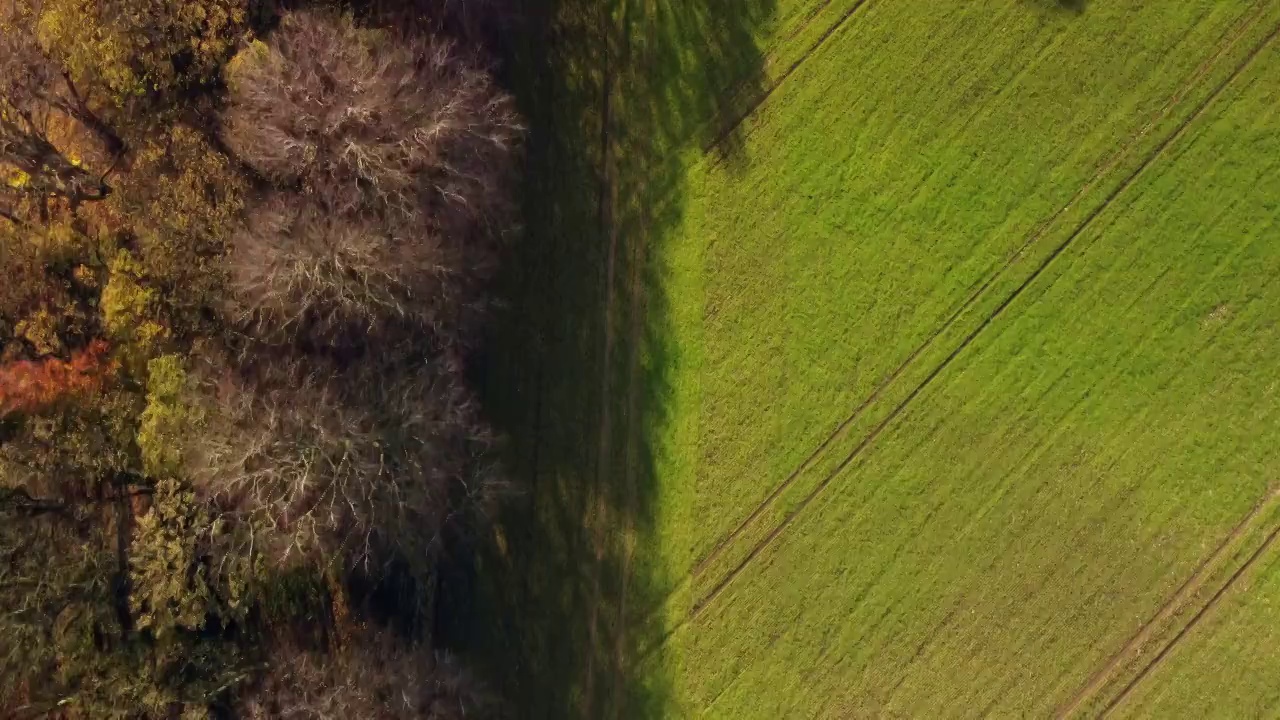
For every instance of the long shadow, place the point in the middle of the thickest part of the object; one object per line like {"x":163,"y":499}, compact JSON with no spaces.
{"x":620,"y":96}
{"x":1074,"y":7}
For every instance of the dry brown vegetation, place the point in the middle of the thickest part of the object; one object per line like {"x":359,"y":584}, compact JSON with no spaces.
{"x":332,"y":461}
{"x":234,"y":325}
{"x":393,"y":158}
{"x":377,"y":679}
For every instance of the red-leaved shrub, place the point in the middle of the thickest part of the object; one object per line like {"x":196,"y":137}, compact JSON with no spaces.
{"x":28,"y":385}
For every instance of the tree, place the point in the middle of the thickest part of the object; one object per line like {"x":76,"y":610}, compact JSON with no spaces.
{"x":374,"y":677}
{"x":218,"y":355}
{"x":395,"y":155}
{"x":27,"y":385}
{"x":367,"y":118}
{"x":29,"y":77}
{"x":300,"y":267}
{"x":49,"y":291}
{"x":56,"y":590}
{"x":35,"y":165}
{"x":34,"y":93}
{"x":115,"y":597}
{"x":360,"y":462}
{"x":182,"y":200}
{"x":141,"y":48}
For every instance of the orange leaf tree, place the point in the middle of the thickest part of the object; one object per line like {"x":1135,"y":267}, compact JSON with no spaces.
{"x":28,"y":385}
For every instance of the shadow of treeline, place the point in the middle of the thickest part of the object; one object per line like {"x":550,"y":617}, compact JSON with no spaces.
{"x":1075,"y":7}
{"x":620,"y":96}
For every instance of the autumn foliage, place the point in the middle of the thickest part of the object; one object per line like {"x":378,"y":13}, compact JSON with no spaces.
{"x":28,"y":385}
{"x":246,"y":252}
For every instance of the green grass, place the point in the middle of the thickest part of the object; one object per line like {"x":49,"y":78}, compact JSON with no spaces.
{"x":1004,"y":493}
{"x":1034,"y":506}
{"x":1225,"y":668}
{"x":874,"y":202}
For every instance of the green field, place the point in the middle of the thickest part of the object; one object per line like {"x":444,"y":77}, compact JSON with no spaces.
{"x":1238,"y":636}
{"x":894,"y":359}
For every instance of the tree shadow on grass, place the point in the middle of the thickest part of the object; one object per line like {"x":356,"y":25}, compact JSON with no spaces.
{"x":1075,"y":7}
{"x":620,"y":96}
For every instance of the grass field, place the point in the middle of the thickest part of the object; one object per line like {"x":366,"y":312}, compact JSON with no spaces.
{"x":877,"y":211}
{"x":892,"y":359}
{"x":1010,"y":529}
{"x":1237,"y":646}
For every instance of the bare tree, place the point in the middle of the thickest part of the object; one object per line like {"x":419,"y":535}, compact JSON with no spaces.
{"x":398,"y":155}
{"x":355,"y":462}
{"x":300,"y":269}
{"x":361,"y":115}
{"x":376,"y":679}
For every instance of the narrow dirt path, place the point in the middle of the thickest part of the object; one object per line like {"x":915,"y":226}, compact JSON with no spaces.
{"x":637,"y":243}
{"x":634,"y":449}
{"x":597,"y":521}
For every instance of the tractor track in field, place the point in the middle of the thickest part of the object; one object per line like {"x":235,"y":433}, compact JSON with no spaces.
{"x":814,"y":12}
{"x":732,"y":89}
{"x":636,"y":307}
{"x":770,"y":57}
{"x":728,"y":130}
{"x":1155,"y":154}
{"x":1212,"y":603}
{"x":608,"y":228}
{"x":638,"y":304}
{"x":1177,"y":602}
{"x":978,"y":294}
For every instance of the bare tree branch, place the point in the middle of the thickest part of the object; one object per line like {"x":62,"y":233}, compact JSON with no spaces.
{"x":405,"y":152}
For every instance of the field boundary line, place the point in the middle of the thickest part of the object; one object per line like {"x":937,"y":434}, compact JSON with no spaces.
{"x":1037,"y":234}
{"x":1177,"y":602}
{"x":1208,"y":607}
{"x":732,"y":126}
{"x":1158,"y":152}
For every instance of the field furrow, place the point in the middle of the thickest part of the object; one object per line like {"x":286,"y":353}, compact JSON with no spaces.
{"x":778,"y":66}
{"x":1221,"y":569}
{"x":1225,"y":665}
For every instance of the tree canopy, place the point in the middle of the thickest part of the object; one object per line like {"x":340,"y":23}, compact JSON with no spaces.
{"x":246,"y":253}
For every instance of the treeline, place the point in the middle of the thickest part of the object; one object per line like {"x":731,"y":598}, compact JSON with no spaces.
{"x":245,"y":251}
